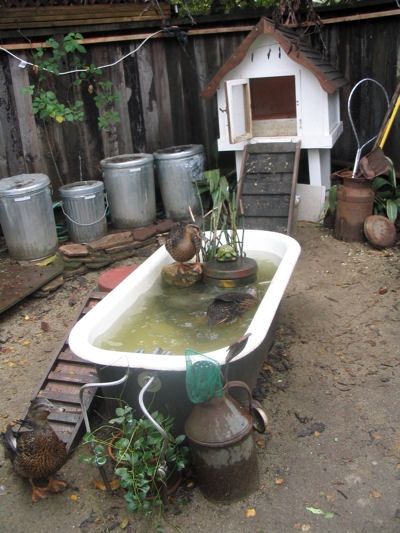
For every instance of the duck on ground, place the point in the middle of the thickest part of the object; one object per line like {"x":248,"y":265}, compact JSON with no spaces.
{"x":35,"y":450}
{"x":228,"y":306}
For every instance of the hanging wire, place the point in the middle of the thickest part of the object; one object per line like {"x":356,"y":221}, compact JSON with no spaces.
{"x":23,"y":62}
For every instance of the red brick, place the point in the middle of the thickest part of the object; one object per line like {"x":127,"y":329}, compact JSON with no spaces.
{"x":109,"y":279}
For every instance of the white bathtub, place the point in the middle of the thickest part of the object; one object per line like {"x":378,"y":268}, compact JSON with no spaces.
{"x":171,"y":369}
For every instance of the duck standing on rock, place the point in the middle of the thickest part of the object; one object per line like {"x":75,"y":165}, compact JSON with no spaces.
{"x":36,"y":451}
{"x":227,"y":307}
{"x":183,"y":243}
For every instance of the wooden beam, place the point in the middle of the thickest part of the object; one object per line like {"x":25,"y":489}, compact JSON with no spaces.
{"x":200,"y":31}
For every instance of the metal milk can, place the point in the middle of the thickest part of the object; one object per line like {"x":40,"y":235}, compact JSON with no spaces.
{"x":355,"y":202}
{"x":220,"y":433}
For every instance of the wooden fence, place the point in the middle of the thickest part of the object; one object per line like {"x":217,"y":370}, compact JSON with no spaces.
{"x":160,"y":103}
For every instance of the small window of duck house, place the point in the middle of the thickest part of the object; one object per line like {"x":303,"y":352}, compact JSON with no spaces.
{"x":273,"y":106}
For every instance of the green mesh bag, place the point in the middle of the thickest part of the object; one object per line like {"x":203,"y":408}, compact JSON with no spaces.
{"x":203,"y":377}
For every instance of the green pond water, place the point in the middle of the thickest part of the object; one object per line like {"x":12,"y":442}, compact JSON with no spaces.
{"x":175,"y":318}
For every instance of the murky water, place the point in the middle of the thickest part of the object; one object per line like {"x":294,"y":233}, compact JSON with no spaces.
{"x":175,"y":319}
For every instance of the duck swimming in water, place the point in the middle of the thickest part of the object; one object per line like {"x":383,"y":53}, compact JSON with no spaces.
{"x":183,"y":243}
{"x":227,"y":307}
{"x":35,"y":450}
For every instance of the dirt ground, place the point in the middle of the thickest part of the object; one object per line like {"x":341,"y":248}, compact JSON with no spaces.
{"x":335,"y":362}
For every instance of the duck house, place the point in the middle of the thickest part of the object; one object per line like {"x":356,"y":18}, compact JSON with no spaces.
{"x":276,"y":88}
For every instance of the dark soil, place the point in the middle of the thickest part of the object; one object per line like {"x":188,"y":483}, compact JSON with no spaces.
{"x":330,"y":460}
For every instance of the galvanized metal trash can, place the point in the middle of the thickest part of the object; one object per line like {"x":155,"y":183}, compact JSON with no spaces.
{"x":85,"y":209}
{"x":177,"y":169}
{"x":26,"y":216}
{"x":129,"y":183}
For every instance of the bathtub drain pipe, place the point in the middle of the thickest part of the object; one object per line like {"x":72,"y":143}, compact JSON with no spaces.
{"x":149,"y":380}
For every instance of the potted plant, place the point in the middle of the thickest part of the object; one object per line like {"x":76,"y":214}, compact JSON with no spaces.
{"x":225,"y":261}
{"x":147,"y":469}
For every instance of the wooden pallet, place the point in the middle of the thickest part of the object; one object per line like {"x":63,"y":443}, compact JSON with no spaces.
{"x":267,"y":185}
{"x":63,"y":380}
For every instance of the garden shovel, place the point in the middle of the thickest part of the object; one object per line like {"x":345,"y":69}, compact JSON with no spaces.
{"x":375,"y":163}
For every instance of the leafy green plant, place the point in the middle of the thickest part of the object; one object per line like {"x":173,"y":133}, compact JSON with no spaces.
{"x":225,"y":242}
{"x":387,"y":194}
{"x":48,"y":66}
{"x":135,"y":447}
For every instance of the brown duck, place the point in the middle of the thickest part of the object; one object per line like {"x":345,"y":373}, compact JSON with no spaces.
{"x":35,"y":450}
{"x":227,"y":307}
{"x":184,"y":242}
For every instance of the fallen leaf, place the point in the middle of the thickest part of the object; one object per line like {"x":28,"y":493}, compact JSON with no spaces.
{"x":375,"y":494}
{"x":250,"y":513}
{"x":74,"y":497}
{"x":124,"y":523}
{"x":100,"y":485}
{"x":329,"y":515}
{"x":45,"y":326}
{"x":383,"y":290}
{"x":260,"y":443}
{"x":25,"y":343}
{"x":279,"y":481}
{"x":315,"y":510}
{"x":268,"y":368}
{"x":317,"y":433}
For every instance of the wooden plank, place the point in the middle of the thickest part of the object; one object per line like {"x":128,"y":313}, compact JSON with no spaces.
{"x":267,"y":223}
{"x":273,"y":184}
{"x":28,"y":129}
{"x":68,"y":367}
{"x":148,"y":98}
{"x":66,"y":418}
{"x":271,"y":148}
{"x":161,"y":90}
{"x":62,"y":387}
{"x":293,"y":191}
{"x":67,"y":355}
{"x":117,"y":77}
{"x":135,"y":108}
{"x":73,"y":22}
{"x":83,"y":11}
{"x":12,"y":150}
{"x":269,"y":163}
{"x":272,"y":206}
{"x":70,"y":378}
{"x":62,"y":397}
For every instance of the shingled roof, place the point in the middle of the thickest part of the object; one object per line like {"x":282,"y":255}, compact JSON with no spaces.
{"x":329,"y":78}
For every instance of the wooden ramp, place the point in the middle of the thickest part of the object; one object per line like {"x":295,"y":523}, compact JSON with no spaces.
{"x":267,"y":185}
{"x":63,"y":380}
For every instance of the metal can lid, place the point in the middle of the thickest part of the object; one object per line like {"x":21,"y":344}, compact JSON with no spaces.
{"x":23,"y":184}
{"x":81,"y":188}
{"x":126,"y":160}
{"x":178,"y":152}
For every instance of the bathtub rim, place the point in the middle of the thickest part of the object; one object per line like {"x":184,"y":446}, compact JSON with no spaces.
{"x":79,"y":338}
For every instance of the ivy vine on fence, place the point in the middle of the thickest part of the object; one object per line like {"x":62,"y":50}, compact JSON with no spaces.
{"x":49,"y":64}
